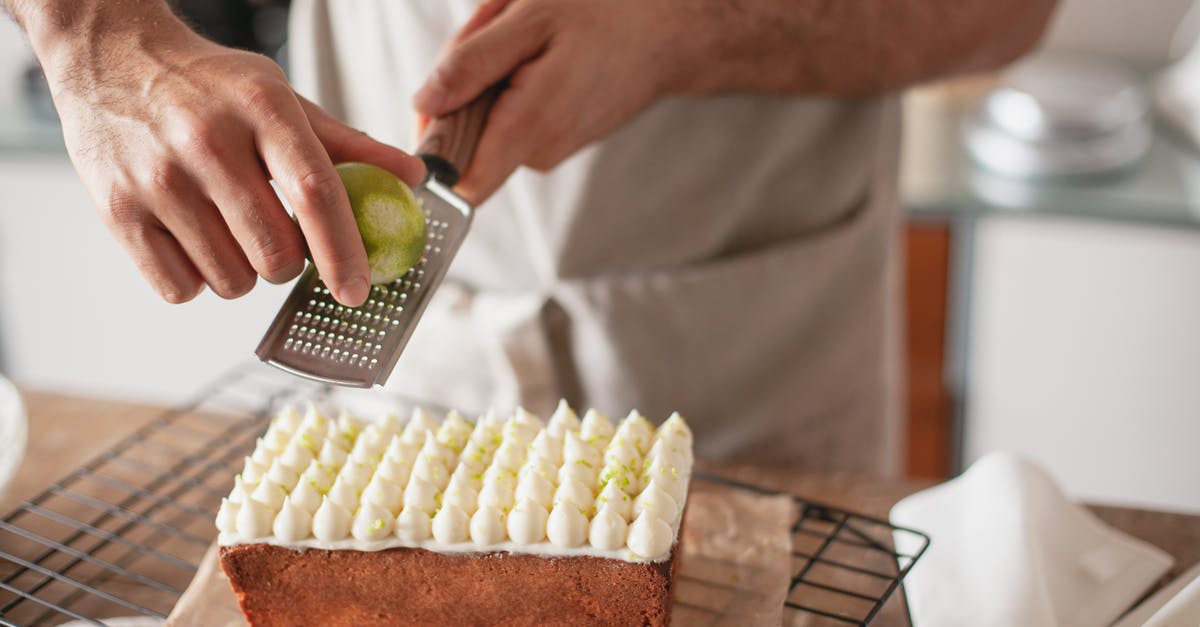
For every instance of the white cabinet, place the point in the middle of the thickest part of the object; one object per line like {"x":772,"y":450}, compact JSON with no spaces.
{"x":1084,"y":355}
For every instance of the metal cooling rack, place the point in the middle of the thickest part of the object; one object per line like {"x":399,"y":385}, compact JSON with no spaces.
{"x":123,"y":534}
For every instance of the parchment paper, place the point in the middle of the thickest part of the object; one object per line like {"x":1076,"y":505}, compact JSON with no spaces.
{"x":734,"y":569}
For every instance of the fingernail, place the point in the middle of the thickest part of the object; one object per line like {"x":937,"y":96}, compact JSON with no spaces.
{"x":429,"y":98}
{"x":354,"y":292}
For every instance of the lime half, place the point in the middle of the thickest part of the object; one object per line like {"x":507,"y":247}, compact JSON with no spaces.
{"x":389,"y":219}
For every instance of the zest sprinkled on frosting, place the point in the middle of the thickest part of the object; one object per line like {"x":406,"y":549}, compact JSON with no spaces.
{"x":559,"y":487}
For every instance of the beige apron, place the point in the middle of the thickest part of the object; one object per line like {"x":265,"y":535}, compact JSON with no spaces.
{"x":732,"y":257}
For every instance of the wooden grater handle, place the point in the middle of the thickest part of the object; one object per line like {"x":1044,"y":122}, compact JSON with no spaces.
{"x":449,"y":141}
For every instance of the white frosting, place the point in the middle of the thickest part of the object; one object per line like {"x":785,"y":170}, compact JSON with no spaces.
{"x":292,"y":523}
{"x":289,"y":418}
{"x":319,"y":475}
{"x":227,"y":517}
{"x":365,"y":453}
{"x":562,"y":421}
{"x":331,"y":522}
{"x":527,"y":522}
{"x":454,"y":432}
{"x":511,"y":454}
{"x":612,"y":497}
{"x":637,"y":430}
{"x":534,"y":487}
{"x":343,"y":493}
{"x":274,"y":440}
{"x":305,"y":495}
{"x":451,"y":525}
{"x":435,"y":451}
{"x":538,"y":465}
{"x":487,"y":526}
{"x":498,"y":494}
{"x":283,"y":475}
{"x":238,"y":493}
{"x":420,"y":494}
{"x":296,"y":456}
{"x":461,"y":494}
{"x":431,"y":470}
{"x":596,"y":426}
{"x":413,"y":525}
{"x":401,"y":451}
{"x":566,"y":527}
{"x":575,"y":493}
{"x":656,"y":500}
{"x":561,"y":488}
{"x":578,"y":471}
{"x":649,"y":535}
{"x":331,"y":454}
{"x":607,"y":530}
{"x":262,"y":455}
{"x":393,"y":470}
{"x":621,"y":453}
{"x":548,"y":448}
{"x":270,"y":494}
{"x":356,"y":473}
{"x":372,"y":523}
{"x":252,"y":471}
{"x":577,"y":449}
{"x":254,"y":519}
{"x":384,"y":493}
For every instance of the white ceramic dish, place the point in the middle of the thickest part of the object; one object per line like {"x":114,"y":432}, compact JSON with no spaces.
{"x":13,"y":432}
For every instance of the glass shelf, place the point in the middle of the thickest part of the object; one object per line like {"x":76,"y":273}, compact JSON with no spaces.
{"x":940,"y":180}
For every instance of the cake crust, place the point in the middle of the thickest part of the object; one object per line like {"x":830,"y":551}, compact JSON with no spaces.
{"x":411,"y":586}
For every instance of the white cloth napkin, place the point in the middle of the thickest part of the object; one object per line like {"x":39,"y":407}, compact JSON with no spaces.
{"x":1008,"y":548}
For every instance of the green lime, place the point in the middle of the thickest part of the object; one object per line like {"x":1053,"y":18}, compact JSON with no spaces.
{"x":389,"y":218}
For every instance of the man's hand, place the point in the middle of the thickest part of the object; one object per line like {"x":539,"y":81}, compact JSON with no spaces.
{"x":176,"y":139}
{"x":579,"y":68}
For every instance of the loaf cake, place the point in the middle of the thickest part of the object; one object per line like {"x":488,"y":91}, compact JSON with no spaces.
{"x":504,"y":521}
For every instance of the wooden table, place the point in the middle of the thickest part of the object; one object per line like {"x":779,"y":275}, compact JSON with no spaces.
{"x":66,"y":431}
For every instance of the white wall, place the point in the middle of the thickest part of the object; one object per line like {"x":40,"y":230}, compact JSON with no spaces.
{"x":76,"y":315}
{"x":1085,"y":356}
{"x":1146,"y":35}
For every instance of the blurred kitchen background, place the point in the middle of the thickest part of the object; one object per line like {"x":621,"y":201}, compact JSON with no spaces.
{"x":1053,"y":274}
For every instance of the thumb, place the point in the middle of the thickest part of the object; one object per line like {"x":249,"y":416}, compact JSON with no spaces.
{"x":483,"y":58}
{"x":344,"y":143}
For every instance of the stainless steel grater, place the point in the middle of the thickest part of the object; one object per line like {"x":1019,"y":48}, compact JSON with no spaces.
{"x":316,"y":337}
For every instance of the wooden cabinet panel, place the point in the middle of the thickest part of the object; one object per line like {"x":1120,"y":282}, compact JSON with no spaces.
{"x":929,"y":407}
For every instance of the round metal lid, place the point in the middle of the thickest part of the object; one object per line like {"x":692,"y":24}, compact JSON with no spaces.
{"x":1065,"y":96}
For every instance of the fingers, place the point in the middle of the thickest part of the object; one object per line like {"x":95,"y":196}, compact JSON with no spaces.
{"x":165,"y":265}
{"x":269,"y":239}
{"x":485,"y":56}
{"x":202,"y":234}
{"x":509,"y":138}
{"x":161,"y":260}
{"x":344,"y":143}
{"x":304,"y":172}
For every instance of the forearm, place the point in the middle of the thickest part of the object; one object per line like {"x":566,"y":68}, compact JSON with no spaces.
{"x":850,"y":47}
{"x":66,"y":33}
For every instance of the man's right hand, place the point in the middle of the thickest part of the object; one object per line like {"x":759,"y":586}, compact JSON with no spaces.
{"x":176,"y":139}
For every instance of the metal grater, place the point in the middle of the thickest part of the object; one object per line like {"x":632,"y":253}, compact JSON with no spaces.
{"x":316,"y":337}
